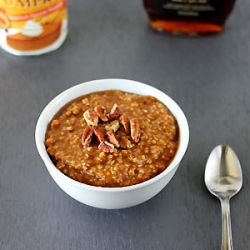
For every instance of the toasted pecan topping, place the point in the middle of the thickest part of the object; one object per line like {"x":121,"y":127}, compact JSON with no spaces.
{"x":135,"y":129}
{"x":98,"y":133}
{"x":112,"y":139}
{"x":101,"y":112}
{"x":114,"y":113}
{"x":125,"y":143}
{"x":105,"y":132}
{"x":113,"y":126}
{"x":106,"y":147}
{"x":87,"y":136}
{"x":125,"y":123}
{"x":91,"y":117}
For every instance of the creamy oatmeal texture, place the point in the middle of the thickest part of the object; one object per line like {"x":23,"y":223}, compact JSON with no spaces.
{"x":112,"y":138}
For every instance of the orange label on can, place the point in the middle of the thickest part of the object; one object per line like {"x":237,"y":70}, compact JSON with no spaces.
{"x":31,"y":24}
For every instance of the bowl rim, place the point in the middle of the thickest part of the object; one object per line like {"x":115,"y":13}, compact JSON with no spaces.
{"x":109,"y":84}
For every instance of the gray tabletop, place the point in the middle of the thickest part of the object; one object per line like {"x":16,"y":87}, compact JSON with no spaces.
{"x":208,"y":76}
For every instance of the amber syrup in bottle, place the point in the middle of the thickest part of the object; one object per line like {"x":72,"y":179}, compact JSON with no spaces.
{"x":189,"y":17}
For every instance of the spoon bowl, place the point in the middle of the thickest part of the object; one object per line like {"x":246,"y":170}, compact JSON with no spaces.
{"x":223,"y":178}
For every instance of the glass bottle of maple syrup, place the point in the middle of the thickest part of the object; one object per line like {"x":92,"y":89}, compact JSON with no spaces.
{"x":190,"y":17}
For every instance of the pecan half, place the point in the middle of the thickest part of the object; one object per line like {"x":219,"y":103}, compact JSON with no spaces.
{"x":135,"y":129}
{"x":126,"y":143}
{"x":125,"y":123}
{"x":112,"y":139}
{"x":98,"y":133}
{"x":114,"y":125}
{"x":87,"y":136}
{"x":101,"y":112}
{"x":91,"y":117}
{"x":114,"y":113}
{"x":106,"y":147}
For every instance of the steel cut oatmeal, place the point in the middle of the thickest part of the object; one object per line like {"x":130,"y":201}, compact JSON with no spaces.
{"x":112,"y":138}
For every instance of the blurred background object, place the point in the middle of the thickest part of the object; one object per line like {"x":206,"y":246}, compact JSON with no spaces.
{"x":32,"y":27}
{"x":190,"y":17}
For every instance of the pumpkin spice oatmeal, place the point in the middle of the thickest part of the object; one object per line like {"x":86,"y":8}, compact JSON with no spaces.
{"x":112,"y":138}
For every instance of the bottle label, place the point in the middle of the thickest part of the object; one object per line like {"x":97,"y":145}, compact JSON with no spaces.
{"x":190,"y":8}
{"x":30,"y":27}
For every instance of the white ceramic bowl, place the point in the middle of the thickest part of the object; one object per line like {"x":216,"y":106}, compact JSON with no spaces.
{"x":104,"y":197}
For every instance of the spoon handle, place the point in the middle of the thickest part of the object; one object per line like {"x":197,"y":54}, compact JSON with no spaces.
{"x":227,"y":242}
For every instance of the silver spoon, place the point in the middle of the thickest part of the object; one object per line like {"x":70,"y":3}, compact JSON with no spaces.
{"x":223,"y":178}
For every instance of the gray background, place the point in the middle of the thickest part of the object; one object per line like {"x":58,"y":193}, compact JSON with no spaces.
{"x":207,"y":76}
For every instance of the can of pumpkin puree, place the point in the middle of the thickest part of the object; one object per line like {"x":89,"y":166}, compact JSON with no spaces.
{"x":32,"y":27}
